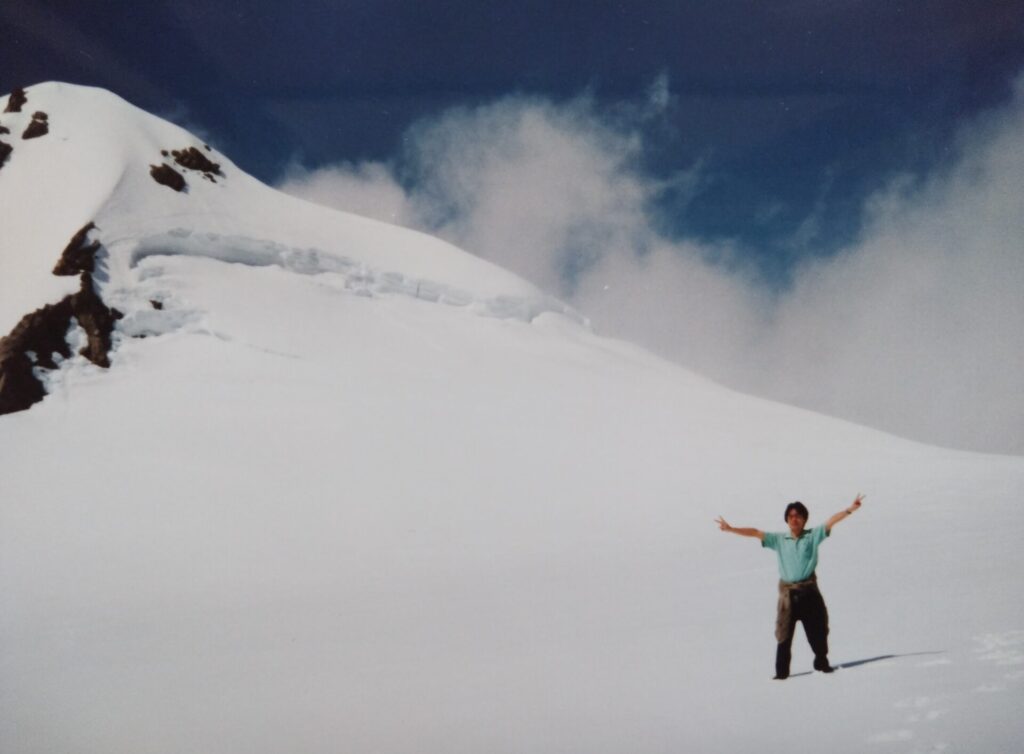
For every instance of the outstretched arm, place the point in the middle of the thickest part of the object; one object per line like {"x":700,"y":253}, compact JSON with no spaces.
{"x":724,"y":526}
{"x":841,"y":515}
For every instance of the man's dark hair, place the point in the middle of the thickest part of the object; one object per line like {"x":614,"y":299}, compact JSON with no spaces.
{"x":799,"y":508}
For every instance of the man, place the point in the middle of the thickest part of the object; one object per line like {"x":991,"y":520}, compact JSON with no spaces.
{"x":799,"y":598}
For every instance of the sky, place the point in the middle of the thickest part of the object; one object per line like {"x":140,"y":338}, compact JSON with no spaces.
{"x":815,"y":201}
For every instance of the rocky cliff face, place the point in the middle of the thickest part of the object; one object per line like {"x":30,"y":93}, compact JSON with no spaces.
{"x":41,"y":339}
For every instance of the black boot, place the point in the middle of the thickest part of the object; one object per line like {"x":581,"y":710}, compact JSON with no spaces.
{"x":821,"y":664}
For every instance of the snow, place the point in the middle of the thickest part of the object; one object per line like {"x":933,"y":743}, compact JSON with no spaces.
{"x":359,"y":491}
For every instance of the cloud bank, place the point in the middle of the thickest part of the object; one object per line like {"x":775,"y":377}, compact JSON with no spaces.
{"x":917,"y":328}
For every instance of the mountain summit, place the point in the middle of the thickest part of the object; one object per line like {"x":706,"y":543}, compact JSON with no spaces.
{"x":302,"y":481}
{"x":99,"y":186}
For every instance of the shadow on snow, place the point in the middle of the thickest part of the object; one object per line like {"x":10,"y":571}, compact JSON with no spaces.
{"x":869,"y":660}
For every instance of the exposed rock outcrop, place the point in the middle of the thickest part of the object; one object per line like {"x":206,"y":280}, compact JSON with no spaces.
{"x":167,"y":176}
{"x":39,"y":337}
{"x":79,"y":255}
{"x":188,"y":159}
{"x":16,"y":101}
{"x":193,"y":159}
{"x":38,"y":127}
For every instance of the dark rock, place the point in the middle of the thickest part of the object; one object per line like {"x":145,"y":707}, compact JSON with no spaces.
{"x":44,"y":331}
{"x":156,"y":304}
{"x":36,"y":129}
{"x":16,"y":99}
{"x":19,"y":388}
{"x":193,"y":159}
{"x":39,"y":115}
{"x":97,"y":319}
{"x":79,"y":255}
{"x":5,"y":152}
{"x":4,"y":130}
{"x":167,"y":176}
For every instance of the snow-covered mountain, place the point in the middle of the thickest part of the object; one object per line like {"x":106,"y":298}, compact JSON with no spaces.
{"x":295,"y":480}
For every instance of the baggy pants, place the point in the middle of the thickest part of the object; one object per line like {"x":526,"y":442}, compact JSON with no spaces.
{"x":801,"y":602}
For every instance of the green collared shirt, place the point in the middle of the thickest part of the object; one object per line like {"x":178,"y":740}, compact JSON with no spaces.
{"x":797,"y":557}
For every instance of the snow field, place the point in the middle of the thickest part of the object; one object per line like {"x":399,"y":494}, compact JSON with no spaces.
{"x":498,"y":535}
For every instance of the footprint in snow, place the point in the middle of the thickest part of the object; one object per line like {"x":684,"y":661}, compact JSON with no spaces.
{"x":1006,"y":648}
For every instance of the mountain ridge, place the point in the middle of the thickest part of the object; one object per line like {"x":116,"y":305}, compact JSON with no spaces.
{"x":132,"y":219}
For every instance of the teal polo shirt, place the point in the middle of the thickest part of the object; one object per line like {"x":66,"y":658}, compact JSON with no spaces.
{"x":797,"y":557}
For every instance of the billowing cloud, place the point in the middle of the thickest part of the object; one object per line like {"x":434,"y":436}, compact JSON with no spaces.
{"x":919,"y":326}
{"x":915,"y":328}
{"x":540,"y":189}
{"x":368,"y":189}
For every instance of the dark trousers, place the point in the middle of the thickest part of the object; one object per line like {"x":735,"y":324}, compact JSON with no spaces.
{"x":808,"y":607}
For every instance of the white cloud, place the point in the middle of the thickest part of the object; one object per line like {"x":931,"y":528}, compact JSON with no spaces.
{"x":368,"y":189}
{"x":916,"y":328}
{"x":919,"y":327}
{"x":543,"y":190}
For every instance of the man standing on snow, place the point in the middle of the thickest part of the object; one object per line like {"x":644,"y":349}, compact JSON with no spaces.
{"x":799,"y":598}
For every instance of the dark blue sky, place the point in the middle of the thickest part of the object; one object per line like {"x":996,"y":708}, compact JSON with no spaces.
{"x":793,"y":107}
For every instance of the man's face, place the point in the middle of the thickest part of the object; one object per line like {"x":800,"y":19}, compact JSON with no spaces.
{"x":796,"y":522}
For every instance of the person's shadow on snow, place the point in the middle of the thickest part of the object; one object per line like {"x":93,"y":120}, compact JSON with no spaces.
{"x":869,"y":660}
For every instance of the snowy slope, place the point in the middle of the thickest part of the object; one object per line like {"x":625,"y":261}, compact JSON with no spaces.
{"x":93,"y":165}
{"x":357,"y":491}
